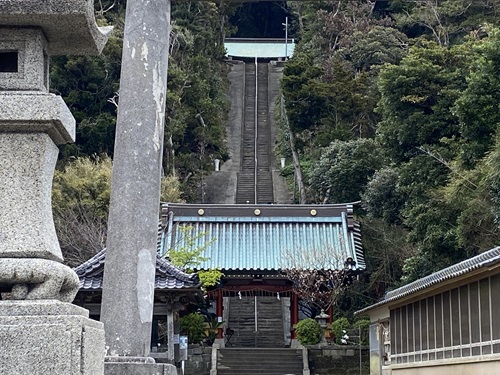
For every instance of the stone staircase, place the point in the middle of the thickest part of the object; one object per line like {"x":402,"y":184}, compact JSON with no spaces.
{"x":252,"y":361}
{"x":245,"y":193}
{"x":270,"y":331}
{"x":265,"y":194}
{"x":256,"y":147}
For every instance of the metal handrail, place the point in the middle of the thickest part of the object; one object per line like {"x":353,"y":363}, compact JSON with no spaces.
{"x":256,"y":107}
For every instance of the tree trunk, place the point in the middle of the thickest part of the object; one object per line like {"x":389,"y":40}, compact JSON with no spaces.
{"x":298,"y":171}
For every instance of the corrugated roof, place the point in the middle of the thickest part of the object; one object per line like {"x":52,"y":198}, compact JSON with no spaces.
{"x":167,"y":276}
{"x":258,"y":237}
{"x":485,"y":259}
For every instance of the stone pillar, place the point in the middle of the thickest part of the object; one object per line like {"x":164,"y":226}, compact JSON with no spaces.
{"x":129,"y":272}
{"x":40,"y":331}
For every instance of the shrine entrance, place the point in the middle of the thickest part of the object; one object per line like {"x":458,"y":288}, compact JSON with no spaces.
{"x":258,"y":321}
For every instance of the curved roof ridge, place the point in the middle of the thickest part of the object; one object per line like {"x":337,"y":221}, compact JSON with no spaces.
{"x":91,"y":273}
{"x":91,"y":264}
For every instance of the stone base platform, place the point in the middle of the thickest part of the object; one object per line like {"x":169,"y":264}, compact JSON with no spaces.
{"x":49,"y":337}
{"x":137,"y":366}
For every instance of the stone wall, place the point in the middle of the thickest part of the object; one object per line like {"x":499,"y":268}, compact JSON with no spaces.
{"x":331,"y":360}
{"x":338,"y":360}
{"x":199,"y":360}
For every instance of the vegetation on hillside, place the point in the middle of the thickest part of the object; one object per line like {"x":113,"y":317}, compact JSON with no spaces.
{"x":197,"y":102}
{"x":396,"y":104}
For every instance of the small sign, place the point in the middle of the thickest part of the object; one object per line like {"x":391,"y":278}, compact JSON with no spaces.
{"x":183,"y":344}
{"x":183,"y":348}
{"x":219,"y":319}
{"x":176,"y":338}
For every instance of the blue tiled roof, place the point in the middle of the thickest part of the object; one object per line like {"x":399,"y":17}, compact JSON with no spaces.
{"x":479,"y":261}
{"x":244,"y":240}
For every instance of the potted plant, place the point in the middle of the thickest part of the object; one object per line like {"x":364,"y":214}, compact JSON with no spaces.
{"x":211,"y":330}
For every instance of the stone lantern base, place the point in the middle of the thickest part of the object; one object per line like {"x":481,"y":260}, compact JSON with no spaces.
{"x":49,"y":337}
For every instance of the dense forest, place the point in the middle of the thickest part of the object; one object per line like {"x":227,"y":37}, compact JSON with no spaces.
{"x":395,"y":105}
{"x":391,"y":104}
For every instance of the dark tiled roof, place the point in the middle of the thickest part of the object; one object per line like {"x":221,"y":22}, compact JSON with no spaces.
{"x":168,"y":277}
{"x":485,"y":259}
{"x":259,"y":237}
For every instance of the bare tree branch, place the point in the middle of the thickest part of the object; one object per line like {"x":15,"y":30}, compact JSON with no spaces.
{"x":318,"y":275}
{"x":81,"y":234}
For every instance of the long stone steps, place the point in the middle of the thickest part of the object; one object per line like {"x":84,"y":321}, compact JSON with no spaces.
{"x":256,"y":155}
{"x":250,"y":361}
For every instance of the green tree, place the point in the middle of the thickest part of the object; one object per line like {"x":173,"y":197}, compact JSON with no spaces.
{"x":382,"y":197}
{"x":445,"y":20}
{"x":380,"y":45}
{"x":344,"y":169}
{"x":417,"y":97}
{"x":197,"y":87}
{"x":188,"y":255}
{"x":88,"y":85}
{"x":305,"y":96}
{"x":478,"y":106}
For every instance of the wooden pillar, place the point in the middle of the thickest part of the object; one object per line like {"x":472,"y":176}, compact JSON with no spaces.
{"x":218,"y":309}
{"x":330,"y":312}
{"x":295,"y":313}
{"x":170,"y":333}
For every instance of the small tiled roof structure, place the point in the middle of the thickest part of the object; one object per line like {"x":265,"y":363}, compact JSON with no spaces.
{"x":256,"y":237}
{"x":167,"y":277}
{"x":483,"y":260}
{"x":264,"y":48}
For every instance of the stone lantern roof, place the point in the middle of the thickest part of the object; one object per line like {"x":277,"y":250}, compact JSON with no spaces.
{"x":68,"y":25}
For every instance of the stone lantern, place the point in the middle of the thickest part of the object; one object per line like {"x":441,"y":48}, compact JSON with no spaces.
{"x":40,"y":331}
{"x":322,"y":320}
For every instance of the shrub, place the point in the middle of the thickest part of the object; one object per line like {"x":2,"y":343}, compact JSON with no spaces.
{"x":193,"y":325}
{"x":308,"y":332}
{"x":338,"y":327}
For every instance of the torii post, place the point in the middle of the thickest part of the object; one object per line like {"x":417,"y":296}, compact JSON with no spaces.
{"x":129,"y":272}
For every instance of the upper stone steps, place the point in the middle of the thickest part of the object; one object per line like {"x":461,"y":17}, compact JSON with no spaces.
{"x":256,"y":141}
